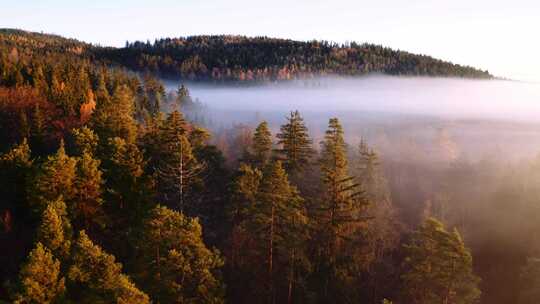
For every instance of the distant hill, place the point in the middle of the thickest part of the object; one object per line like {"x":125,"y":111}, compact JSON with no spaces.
{"x":262,"y":58}
{"x":242,"y":58}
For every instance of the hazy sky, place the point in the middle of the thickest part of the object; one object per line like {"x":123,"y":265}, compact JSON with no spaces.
{"x":501,"y":36}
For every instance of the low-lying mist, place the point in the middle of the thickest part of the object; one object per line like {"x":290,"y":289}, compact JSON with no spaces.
{"x":403,"y":117}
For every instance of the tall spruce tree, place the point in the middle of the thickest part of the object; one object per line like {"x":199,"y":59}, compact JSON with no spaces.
{"x":177,"y":169}
{"x":40,"y":278}
{"x":86,"y":208}
{"x":98,"y":277}
{"x":339,"y":219}
{"x":261,"y":146}
{"x":438,"y":267}
{"x":55,"y":178}
{"x":54,"y":231}
{"x":278,"y":217}
{"x":175,"y":264}
{"x":296,"y":146}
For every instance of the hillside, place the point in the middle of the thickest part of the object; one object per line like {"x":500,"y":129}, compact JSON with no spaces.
{"x":263,"y":58}
{"x":242,"y":58}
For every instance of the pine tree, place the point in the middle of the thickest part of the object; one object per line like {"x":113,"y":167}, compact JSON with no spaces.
{"x":383,"y":230}
{"x":86,"y":206}
{"x":85,"y":140}
{"x":99,"y":276}
{"x":278,"y":218}
{"x":177,"y":170}
{"x":54,"y":231}
{"x":55,"y":178}
{"x":128,"y":187}
{"x":438,"y":267}
{"x":41,"y":280}
{"x":339,"y":219}
{"x":176,"y":266}
{"x":115,"y":118}
{"x":261,"y":147}
{"x":244,"y":191}
{"x":15,"y":168}
{"x":296,"y":150}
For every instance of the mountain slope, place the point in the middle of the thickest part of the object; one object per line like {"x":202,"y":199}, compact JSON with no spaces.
{"x":262,"y":58}
{"x":238,"y":57}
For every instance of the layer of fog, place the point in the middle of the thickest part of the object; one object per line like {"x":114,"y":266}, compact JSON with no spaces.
{"x":457,"y":98}
{"x":403,"y":117}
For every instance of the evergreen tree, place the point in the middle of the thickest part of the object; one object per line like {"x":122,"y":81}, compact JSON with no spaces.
{"x":383,"y":230}
{"x":15,"y":167}
{"x":128,"y":188}
{"x":114,"y":118}
{"x":54,"y":231}
{"x":86,"y":207}
{"x":261,"y":147}
{"x":278,"y":218}
{"x":296,"y":150}
{"x":85,"y":140}
{"x":98,"y":277}
{"x":41,"y":280}
{"x":176,"y":266}
{"x":339,"y":218}
{"x":178,"y":170}
{"x":438,"y":267}
{"x":55,"y":178}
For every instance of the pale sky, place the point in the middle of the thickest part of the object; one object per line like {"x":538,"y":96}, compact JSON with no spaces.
{"x":500,"y":36}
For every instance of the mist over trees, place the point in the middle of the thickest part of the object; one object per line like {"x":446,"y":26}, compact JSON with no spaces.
{"x":113,"y":191}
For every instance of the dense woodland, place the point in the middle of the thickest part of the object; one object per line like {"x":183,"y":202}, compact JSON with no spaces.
{"x":112,"y":193}
{"x":262,"y":58}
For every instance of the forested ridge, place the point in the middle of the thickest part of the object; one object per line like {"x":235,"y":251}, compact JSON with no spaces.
{"x":240,"y":58}
{"x":114,"y":192}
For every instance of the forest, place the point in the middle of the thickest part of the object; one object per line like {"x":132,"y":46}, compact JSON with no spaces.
{"x":113,"y":191}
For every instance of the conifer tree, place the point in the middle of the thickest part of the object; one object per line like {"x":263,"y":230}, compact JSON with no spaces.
{"x":278,"y":217}
{"x":40,"y":278}
{"x":115,"y":118}
{"x":55,"y":178}
{"x":128,"y":189}
{"x":54,"y":231}
{"x":85,"y":140}
{"x":176,"y":266}
{"x":339,"y":217}
{"x":296,"y":150}
{"x":99,"y":277}
{"x":177,"y":170}
{"x":438,"y":267}
{"x":244,"y":191}
{"x":261,"y":147}
{"x":15,"y":166}
{"x":86,"y":206}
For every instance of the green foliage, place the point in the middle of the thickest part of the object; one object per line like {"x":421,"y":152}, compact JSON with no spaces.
{"x":115,"y":118}
{"x":40,"y":278}
{"x":177,"y":168}
{"x":261,"y":147}
{"x":128,"y":189}
{"x":339,"y":219}
{"x":175,"y":265}
{"x":85,"y":141}
{"x":86,"y":206}
{"x":438,"y":267}
{"x":54,"y":231}
{"x":98,"y":277}
{"x":296,"y":150}
{"x":263,"y":58}
{"x":54,"y":178}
